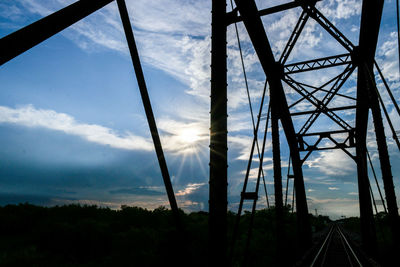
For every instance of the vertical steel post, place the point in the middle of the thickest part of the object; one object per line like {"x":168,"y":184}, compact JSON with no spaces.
{"x":276,"y":160}
{"x":384,"y":159}
{"x":366,"y":212}
{"x":218,"y":138}
{"x":252,"y":21}
{"x":276,"y":153}
{"x":364,"y":57}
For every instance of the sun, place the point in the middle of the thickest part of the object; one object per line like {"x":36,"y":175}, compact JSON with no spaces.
{"x":189,"y":135}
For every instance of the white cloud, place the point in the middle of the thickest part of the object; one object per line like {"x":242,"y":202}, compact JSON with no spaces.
{"x":29,"y":116}
{"x":340,"y":9}
{"x":243,"y":144}
{"x":353,"y":194}
{"x":334,"y":162}
{"x":334,"y":207}
{"x":388,"y":57}
{"x":178,"y":137}
{"x":333,"y":188}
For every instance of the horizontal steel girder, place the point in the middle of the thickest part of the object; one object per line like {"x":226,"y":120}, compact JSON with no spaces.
{"x":320,"y":63}
{"x":233,"y":17}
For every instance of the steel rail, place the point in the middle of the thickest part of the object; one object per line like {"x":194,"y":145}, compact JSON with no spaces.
{"x":348,"y":245}
{"x":321,"y":256}
{"x":325,"y":244}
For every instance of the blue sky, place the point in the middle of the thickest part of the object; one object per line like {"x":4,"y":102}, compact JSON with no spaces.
{"x":73,"y":128}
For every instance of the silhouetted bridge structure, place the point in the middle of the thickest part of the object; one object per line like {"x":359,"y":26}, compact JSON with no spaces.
{"x":348,"y":135}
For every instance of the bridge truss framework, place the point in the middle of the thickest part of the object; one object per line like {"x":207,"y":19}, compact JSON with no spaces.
{"x":302,"y":142}
{"x":280,"y":75}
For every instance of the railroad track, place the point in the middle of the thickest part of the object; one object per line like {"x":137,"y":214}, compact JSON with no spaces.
{"x":336,"y":251}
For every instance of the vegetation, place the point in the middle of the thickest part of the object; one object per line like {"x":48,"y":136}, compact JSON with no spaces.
{"x":385,"y":255}
{"x":76,"y":235}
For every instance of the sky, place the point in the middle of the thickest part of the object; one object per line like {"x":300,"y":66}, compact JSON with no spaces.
{"x":73,"y":128}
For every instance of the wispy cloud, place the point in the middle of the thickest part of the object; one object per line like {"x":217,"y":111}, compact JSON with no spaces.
{"x":29,"y":116}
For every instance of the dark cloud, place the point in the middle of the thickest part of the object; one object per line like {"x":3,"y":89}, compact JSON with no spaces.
{"x":136,"y":191}
{"x":42,"y":200}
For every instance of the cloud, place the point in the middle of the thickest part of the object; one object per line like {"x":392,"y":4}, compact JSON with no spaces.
{"x":333,"y":188}
{"x":173,"y":39}
{"x":29,"y":116}
{"x":189,"y":189}
{"x":177,"y":137}
{"x":353,"y":193}
{"x":388,"y":57}
{"x":335,"y":207}
{"x":340,"y":9}
{"x":137,"y":191}
{"x":334,"y":163}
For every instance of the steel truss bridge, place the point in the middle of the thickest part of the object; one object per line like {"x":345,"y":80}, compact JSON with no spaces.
{"x":281,"y":77}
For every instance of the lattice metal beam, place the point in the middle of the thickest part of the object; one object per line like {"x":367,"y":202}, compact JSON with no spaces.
{"x":320,"y":63}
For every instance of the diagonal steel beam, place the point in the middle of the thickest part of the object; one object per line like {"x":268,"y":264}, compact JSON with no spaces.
{"x":258,"y":36}
{"x":24,"y":39}
{"x":321,"y":107}
{"x":329,"y":27}
{"x":318,"y":88}
{"x":327,"y":99}
{"x":300,"y":113}
{"x":323,"y":90}
{"x":149,"y":111}
{"x":294,"y":37}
